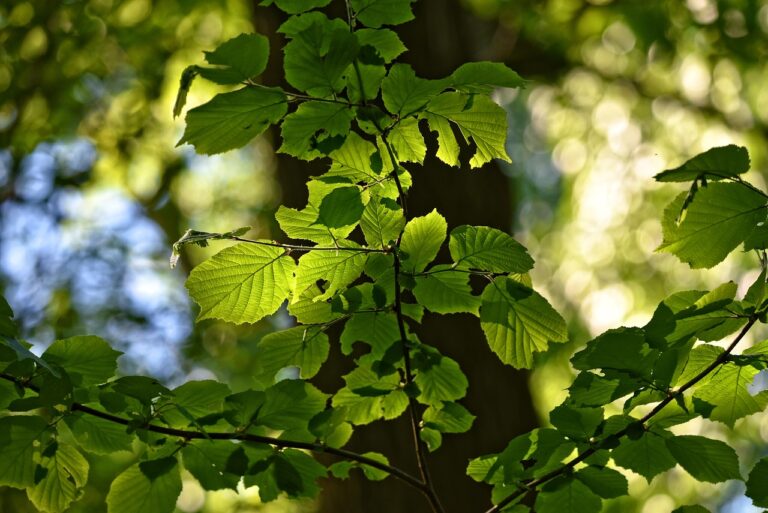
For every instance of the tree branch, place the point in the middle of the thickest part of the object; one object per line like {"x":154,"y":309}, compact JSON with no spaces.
{"x":242,"y":437}
{"x":532,"y":484}
{"x":297,"y":247}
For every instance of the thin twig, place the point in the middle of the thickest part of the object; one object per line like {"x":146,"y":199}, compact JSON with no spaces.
{"x":296,"y":247}
{"x":395,"y":166}
{"x":528,"y":486}
{"x":243,"y":437}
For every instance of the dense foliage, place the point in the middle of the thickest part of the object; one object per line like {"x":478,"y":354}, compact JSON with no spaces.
{"x":355,"y":106}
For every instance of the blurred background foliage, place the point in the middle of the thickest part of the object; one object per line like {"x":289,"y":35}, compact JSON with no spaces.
{"x":94,"y":189}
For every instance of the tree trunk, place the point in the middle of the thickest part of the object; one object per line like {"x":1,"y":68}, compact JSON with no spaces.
{"x":442,"y":37}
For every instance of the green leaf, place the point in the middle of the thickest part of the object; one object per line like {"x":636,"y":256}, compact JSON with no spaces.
{"x":714,"y":164}
{"x":377,"y":329}
{"x":382,"y":221}
{"x":407,"y":141}
{"x":478,"y":118}
{"x":757,"y":484}
{"x":384,"y":42}
{"x":443,"y":290}
{"x":438,"y":377}
{"x":297,"y":6}
{"x":338,"y":268}
{"x":363,"y":84}
{"x":605,"y":482}
{"x":340,"y":208}
{"x":448,"y":418}
{"x":231,"y":120}
{"x":620,"y":349}
{"x":357,"y":159}
{"x":291,"y":403}
{"x":483,"y":77}
{"x":720,"y":217}
{"x":242,"y":283}
{"x":383,"y":397}
{"x":240,"y":58}
{"x":316,"y":58}
{"x":302,"y":224}
{"x":194,"y":399}
{"x":289,"y":471}
{"x":88,"y":360}
{"x":431,"y":437}
{"x":647,"y":455}
{"x":305,"y":347}
{"x":565,"y":494}
{"x":209,"y":461}
{"x":447,"y":146}
{"x":705,"y":459}
{"x":8,"y":328}
{"x":421,"y":241}
{"x":576,"y":423}
{"x":308,"y":311}
{"x":147,"y":486}
{"x":65,"y":474}
{"x":97,"y":435}
{"x":488,"y":249}
{"x":404,"y":93}
{"x":315,"y":129}
{"x":518,"y":322}
{"x":375,"y":13}
{"x":19,"y":441}
{"x":727,"y":389}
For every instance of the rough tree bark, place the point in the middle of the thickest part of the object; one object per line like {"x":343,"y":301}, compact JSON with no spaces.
{"x":442,"y":37}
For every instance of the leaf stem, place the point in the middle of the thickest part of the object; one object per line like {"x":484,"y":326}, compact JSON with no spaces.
{"x":243,"y":437}
{"x":531,"y":485}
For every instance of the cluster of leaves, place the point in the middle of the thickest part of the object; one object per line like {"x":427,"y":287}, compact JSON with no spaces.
{"x":356,"y":257}
{"x":642,"y":374}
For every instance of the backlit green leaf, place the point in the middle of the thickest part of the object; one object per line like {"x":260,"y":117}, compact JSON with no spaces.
{"x":604,"y":481}
{"x":305,"y":347}
{"x":65,"y":475}
{"x":647,"y":455}
{"x":566,"y":494}
{"x":315,"y":129}
{"x":705,"y":459}
{"x":241,"y":58}
{"x":488,"y":249}
{"x":443,"y":290}
{"x":97,"y":435}
{"x":231,"y":120}
{"x":242,"y":283}
{"x":208,"y":461}
{"x":407,"y":141}
{"x":518,"y":322}
{"x":88,"y":360}
{"x":727,"y":390}
{"x":194,"y":399}
{"x":448,"y":417}
{"x":421,"y":241}
{"x":478,"y":119}
{"x":438,"y":377}
{"x":337,"y":268}
{"x":720,"y":217}
{"x":19,"y":441}
{"x":316,"y":58}
{"x":404,"y":93}
{"x":384,"y":42}
{"x":382,"y":221}
{"x":483,"y":77}
{"x":714,"y":164}
{"x":147,"y":486}
{"x":291,"y":403}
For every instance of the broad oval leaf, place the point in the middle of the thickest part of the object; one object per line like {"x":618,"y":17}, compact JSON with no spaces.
{"x":421,"y":241}
{"x":337,"y":267}
{"x":518,"y":322}
{"x":305,"y":347}
{"x":720,"y":217}
{"x":147,"y":486}
{"x":705,"y":459}
{"x":66,"y":472}
{"x":19,"y":441}
{"x":242,"y":283}
{"x":713,"y":164}
{"x":231,"y":120}
{"x":375,"y":13}
{"x":88,"y":360}
{"x":488,"y":249}
{"x":241,"y":58}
